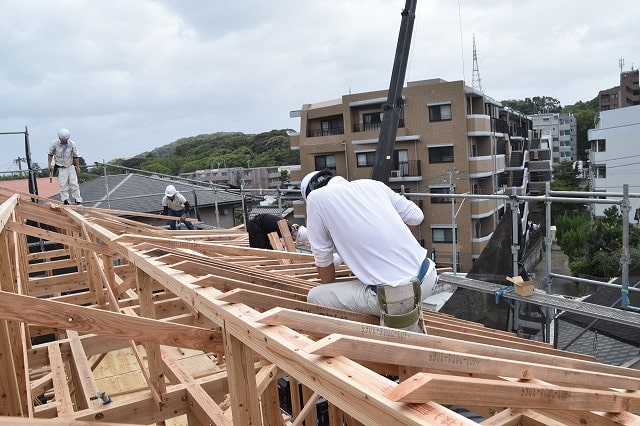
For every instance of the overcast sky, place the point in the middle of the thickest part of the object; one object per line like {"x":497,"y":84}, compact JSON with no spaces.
{"x":128,"y":76}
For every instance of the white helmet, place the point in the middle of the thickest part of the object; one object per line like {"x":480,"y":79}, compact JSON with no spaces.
{"x":170,"y":191}
{"x":63,"y":134}
{"x":301,"y":235}
{"x":305,"y":183}
{"x":315,"y":180}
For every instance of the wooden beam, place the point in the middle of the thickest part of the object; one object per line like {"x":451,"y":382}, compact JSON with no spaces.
{"x":516,"y":349}
{"x":243,"y":391}
{"x":482,"y":392}
{"x":64,"y":316}
{"x":7,"y":210}
{"x":57,"y":237}
{"x":64,"y":405}
{"x":264,"y":301}
{"x":147,"y":309}
{"x":82,"y":370}
{"x":446,"y":360}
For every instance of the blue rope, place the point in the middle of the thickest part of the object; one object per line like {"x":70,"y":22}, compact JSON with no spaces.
{"x":499,"y":292}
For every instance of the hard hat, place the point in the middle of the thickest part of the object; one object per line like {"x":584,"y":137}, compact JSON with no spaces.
{"x":301,"y":236}
{"x":305,"y":183}
{"x":63,"y":134}
{"x":315,"y":180}
{"x":170,"y":191}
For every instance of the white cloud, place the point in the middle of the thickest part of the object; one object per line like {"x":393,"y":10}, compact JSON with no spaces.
{"x":126,"y":77}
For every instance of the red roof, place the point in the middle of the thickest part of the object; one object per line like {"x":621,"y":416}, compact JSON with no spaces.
{"x":45,"y":188}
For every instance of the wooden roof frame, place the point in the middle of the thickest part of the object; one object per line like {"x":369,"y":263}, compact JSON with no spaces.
{"x":117,"y":285}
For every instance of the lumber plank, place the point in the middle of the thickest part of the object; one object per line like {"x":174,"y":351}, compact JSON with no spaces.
{"x":60,"y":385}
{"x":265,"y":301}
{"x":88,"y":320}
{"x":464,"y":390}
{"x":82,"y":370}
{"x":243,"y":390}
{"x":321,"y":326}
{"x":447,"y":360}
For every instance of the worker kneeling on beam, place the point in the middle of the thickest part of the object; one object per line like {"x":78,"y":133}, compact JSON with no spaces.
{"x":367,"y":224}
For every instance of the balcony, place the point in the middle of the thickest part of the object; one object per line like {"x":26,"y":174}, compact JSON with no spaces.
{"x":406,"y":171}
{"x":479,"y":244}
{"x":483,"y":208}
{"x":486,"y":165}
{"x":332,"y":131}
{"x":478,"y":125}
{"x":372,"y":127}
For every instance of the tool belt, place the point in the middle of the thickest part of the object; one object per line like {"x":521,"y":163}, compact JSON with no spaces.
{"x":400,"y":306}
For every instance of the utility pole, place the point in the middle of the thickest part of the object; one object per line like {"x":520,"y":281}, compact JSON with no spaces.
{"x":394,"y":104}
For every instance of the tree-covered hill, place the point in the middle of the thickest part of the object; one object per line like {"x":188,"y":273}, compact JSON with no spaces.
{"x":222,"y":149}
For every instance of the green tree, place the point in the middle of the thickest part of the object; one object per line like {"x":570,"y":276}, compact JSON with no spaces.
{"x":594,"y":247}
{"x":585,"y":113}
{"x":565,"y":178}
{"x":535,"y":105}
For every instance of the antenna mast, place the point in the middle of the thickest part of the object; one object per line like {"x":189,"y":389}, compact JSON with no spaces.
{"x":476,"y":82}
{"x":621,"y":64}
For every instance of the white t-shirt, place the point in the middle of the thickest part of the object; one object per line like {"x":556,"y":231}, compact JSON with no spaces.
{"x":365,"y":222}
{"x":176,"y":204}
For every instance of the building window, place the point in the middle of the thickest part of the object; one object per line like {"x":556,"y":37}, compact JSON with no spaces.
{"x":440,"y":190}
{"x":325,"y":162}
{"x":600,"y":172}
{"x":604,"y":98}
{"x":440,"y":112}
{"x":332,"y":126}
{"x":442,"y":235}
{"x":365,"y":159}
{"x":441,"y":154}
{"x":599,"y":145}
{"x":372,"y":120}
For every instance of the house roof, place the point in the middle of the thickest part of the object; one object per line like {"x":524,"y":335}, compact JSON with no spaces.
{"x":143,"y":194}
{"x":45,"y":188}
{"x":623,"y":341}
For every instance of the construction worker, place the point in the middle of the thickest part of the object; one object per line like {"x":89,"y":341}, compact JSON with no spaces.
{"x":260,"y":226}
{"x":174,"y":204}
{"x":66,"y":166}
{"x":365,"y":222}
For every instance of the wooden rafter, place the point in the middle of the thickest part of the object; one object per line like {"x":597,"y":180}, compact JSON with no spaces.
{"x":211,"y":325}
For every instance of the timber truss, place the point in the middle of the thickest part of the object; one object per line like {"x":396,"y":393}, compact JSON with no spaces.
{"x":105,"y":319}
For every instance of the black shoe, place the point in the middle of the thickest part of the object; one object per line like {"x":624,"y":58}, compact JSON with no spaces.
{"x":66,"y":202}
{"x":79,"y":203}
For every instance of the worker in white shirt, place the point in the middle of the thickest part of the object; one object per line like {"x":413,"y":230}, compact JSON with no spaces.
{"x":64,"y":155}
{"x":367,"y":224}
{"x":174,"y":204}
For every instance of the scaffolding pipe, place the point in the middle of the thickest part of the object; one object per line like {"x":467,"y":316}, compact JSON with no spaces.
{"x":549,"y":246}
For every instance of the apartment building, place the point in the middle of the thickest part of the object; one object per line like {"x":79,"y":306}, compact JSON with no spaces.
{"x":561,"y":130}
{"x":624,"y":95}
{"x":614,"y":154}
{"x":450,"y":138}
{"x":249,"y":178}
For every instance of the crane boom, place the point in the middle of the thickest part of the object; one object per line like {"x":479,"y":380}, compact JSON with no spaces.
{"x":394,"y":104}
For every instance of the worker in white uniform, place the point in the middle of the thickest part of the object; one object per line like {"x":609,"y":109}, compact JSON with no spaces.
{"x":64,"y":154}
{"x":175,"y":204}
{"x":366,"y":223}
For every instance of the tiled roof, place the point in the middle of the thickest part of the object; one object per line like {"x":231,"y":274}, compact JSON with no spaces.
{"x":610,"y":342}
{"x":137,"y":193}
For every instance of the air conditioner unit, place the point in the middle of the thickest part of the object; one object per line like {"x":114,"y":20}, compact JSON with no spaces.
{"x":395,"y":173}
{"x":535,"y":155}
